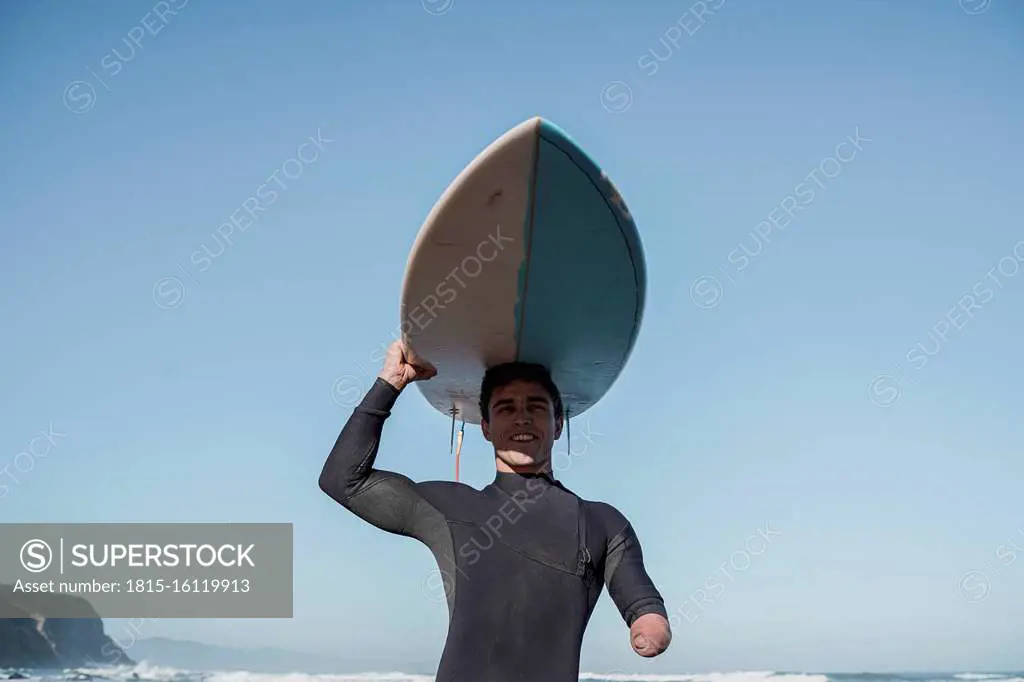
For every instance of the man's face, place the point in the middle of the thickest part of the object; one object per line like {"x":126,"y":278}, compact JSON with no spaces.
{"x":523,"y":426}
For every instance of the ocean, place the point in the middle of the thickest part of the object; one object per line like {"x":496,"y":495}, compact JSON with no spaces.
{"x":145,"y":673}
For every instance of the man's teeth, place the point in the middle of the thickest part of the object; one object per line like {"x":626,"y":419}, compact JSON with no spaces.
{"x":523,"y":437}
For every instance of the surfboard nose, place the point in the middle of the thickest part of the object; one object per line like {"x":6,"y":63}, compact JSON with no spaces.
{"x":553,"y":131}
{"x":546,"y":128}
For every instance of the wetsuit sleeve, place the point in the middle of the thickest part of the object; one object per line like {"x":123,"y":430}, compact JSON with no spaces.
{"x":386,"y":499}
{"x":630,"y":587}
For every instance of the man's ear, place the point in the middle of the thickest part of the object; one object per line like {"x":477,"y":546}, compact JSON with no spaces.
{"x":559,"y":423}
{"x":485,"y":428}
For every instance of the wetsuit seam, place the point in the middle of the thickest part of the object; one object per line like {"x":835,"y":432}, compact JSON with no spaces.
{"x":617,"y":544}
{"x":347,"y":496}
{"x":619,"y":538}
{"x":542,"y":562}
{"x":374,"y":444}
{"x":362,"y":490}
{"x":455,"y":587}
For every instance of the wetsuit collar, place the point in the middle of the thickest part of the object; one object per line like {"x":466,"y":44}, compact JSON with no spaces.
{"x":509,"y":481}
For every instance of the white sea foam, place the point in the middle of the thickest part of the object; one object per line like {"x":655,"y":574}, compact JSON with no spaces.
{"x":304,"y":677}
{"x":614,"y":676}
{"x":145,"y":672}
{"x":745,"y":676}
{"x":151,"y":673}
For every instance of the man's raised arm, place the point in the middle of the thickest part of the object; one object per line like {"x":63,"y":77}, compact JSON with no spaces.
{"x":387,"y":500}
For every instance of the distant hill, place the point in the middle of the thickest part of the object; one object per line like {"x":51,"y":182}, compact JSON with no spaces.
{"x":188,"y":655}
{"x":28,"y":640}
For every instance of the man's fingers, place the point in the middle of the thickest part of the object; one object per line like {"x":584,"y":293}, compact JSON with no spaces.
{"x":421,"y":373}
{"x":425,"y":368}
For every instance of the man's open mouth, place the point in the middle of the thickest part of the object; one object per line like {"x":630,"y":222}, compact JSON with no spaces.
{"x":523,"y":437}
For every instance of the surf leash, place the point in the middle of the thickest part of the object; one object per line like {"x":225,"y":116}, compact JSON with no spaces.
{"x":458,"y":449}
{"x":452,"y":446}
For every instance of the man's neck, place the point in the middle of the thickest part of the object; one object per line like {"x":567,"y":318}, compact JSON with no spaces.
{"x":504,"y":468}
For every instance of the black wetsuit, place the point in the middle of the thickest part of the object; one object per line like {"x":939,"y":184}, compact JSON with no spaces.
{"x":523,"y":561}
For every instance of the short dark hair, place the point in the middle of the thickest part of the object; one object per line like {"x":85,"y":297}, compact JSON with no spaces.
{"x":506,"y":373}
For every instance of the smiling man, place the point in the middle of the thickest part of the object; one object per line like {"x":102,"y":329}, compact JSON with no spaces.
{"x":524,"y":560}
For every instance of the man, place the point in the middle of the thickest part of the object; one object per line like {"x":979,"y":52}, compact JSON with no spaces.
{"x":524,"y":559}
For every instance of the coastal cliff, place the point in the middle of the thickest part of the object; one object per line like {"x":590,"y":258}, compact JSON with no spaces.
{"x":28,"y":640}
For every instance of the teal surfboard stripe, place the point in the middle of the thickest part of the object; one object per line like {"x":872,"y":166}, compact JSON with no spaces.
{"x":523,"y":276}
{"x":578,"y":236}
{"x":627,"y":226}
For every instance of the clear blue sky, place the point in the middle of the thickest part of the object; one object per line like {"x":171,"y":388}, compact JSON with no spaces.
{"x":758,"y":409}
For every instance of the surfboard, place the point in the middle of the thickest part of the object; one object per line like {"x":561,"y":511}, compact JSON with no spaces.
{"x":530,"y":254}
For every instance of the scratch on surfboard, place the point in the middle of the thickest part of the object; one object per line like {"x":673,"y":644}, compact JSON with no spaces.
{"x":616,"y":198}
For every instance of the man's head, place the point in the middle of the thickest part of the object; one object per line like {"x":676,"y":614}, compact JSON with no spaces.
{"x":522,"y":415}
